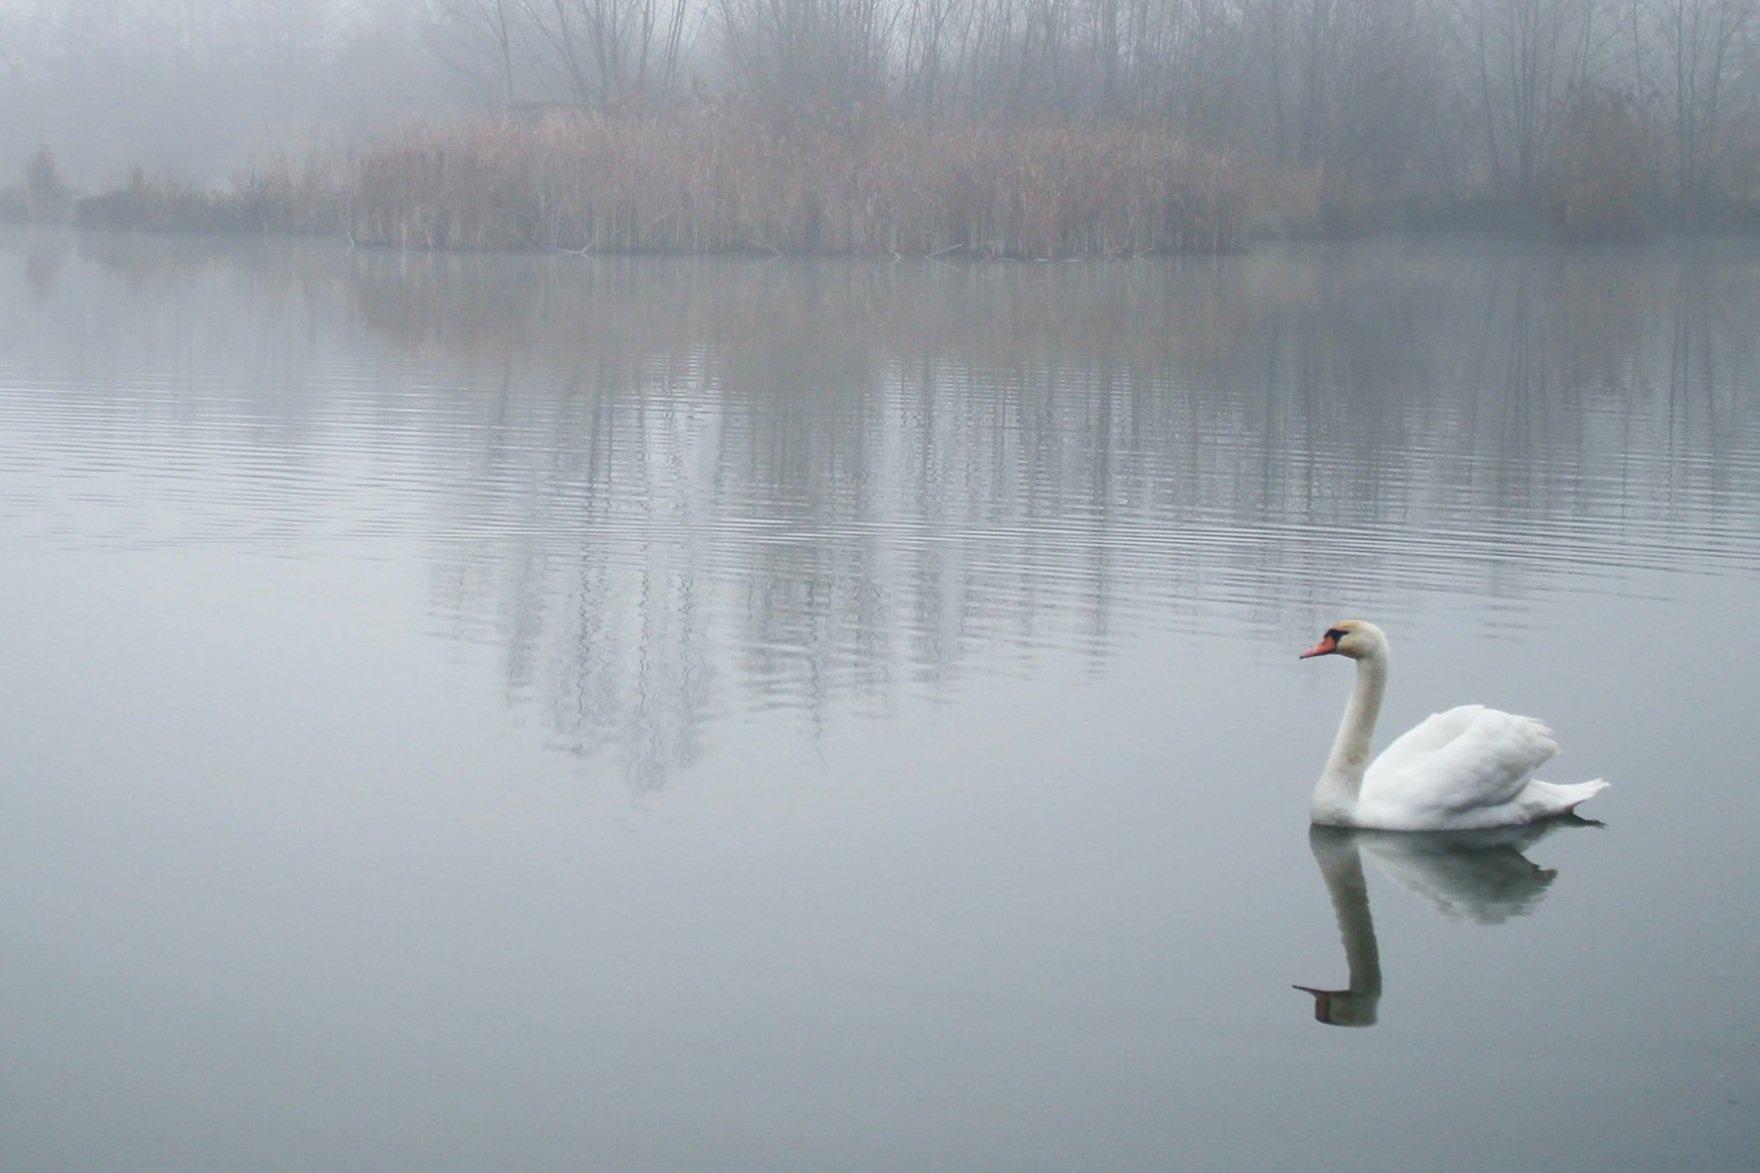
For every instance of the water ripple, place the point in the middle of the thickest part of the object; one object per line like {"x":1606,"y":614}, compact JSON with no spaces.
{"x":743,"y":513}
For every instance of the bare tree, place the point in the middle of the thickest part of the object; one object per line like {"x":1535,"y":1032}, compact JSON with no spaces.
{"x":929,"y":36}
{"x":1528,"y":57}
{"x":1696,"y":44}
{"x":596,"y":53}
{"x":834,"y":53}
{"x":480,"y":39}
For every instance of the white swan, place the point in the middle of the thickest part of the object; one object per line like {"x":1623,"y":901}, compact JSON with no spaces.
{"x":1467,"y":768}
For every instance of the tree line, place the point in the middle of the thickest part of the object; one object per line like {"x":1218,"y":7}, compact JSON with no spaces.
{"x":1580,"y":111}
{"x":1525,"y":104}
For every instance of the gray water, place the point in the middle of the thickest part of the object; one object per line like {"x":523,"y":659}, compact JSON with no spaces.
{"x":565,"y":713}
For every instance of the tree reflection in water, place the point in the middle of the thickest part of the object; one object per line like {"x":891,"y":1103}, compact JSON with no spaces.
{"x":668,"y":489}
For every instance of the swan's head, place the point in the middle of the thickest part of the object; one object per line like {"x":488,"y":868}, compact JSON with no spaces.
{"x":1356,"y":638}
{"x":1344,"y":1007}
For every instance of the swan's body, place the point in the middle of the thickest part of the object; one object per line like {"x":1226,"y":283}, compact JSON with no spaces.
{"x":1468,"y":768}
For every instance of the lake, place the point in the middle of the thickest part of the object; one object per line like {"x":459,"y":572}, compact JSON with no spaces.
{"x":569,"y":713}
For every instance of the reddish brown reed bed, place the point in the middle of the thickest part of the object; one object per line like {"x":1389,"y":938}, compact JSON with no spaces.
{"x":703,"y":182}
{"x":719,"y":181}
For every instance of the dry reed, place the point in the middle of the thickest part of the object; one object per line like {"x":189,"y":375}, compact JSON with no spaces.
{"x":714,"y":179}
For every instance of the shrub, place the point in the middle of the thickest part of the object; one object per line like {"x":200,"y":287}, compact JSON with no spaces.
{"x":46,"y":195}
{"x":1597,"y":169}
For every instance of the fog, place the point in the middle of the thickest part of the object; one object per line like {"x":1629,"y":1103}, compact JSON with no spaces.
{"x":1536,"y":103}
{"x":200,"y":87}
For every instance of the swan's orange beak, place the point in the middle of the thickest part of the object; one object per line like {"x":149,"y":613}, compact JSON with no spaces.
{"x":1322,"y":1003}
{"x":1325,"y":647}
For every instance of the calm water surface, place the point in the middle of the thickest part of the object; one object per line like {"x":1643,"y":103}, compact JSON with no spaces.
{"x":533,"y":714}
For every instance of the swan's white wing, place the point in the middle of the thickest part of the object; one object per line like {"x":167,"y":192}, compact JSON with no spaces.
{"x":1427,"y":737}
{"x":1468,"y":758}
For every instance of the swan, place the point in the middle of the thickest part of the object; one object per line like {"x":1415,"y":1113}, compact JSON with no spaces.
{"x":1469,"y":768}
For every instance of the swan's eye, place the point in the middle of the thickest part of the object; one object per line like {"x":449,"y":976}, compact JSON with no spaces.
{"x":1335,"y":634}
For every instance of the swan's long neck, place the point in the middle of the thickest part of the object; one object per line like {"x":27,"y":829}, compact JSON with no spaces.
{"x":1343,"y":778}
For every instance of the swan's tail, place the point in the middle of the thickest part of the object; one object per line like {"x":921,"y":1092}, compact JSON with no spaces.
{"x":1565,"y":798}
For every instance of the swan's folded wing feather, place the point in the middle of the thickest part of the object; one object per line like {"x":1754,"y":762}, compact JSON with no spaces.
{"x":1465,"y":758}
{"x":1427,"y":737}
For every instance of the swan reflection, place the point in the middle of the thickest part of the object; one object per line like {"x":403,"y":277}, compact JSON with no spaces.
{"x":1478,"y":876}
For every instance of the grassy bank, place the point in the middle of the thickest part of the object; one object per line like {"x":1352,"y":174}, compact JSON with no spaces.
{"x":710,"y":180}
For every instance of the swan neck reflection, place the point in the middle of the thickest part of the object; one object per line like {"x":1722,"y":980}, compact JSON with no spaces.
{"x":1341,"y":866}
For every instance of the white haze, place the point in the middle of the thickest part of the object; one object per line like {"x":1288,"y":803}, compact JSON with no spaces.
{"x":1386,"y":99}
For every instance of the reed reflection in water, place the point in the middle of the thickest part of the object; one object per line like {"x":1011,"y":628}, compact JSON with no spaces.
{"x":670,"y":491}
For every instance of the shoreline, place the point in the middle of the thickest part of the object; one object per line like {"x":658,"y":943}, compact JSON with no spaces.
{"x":709,"y":181}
